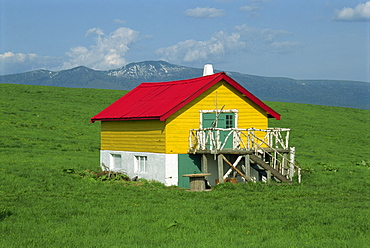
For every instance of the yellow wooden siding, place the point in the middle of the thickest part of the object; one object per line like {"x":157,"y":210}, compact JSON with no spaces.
{"x":221,"y":94}
{"x":140,"y":136}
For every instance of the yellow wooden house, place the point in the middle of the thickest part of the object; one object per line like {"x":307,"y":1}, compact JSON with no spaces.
{"x":161,"y":131}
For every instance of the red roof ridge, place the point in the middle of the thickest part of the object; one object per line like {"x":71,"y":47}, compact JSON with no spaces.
{"x":184,"y":81}
{"x":160,"y":100}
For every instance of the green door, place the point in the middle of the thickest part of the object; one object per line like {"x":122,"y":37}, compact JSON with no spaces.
{"x":224,"y":120}
{"x":188,"y":164}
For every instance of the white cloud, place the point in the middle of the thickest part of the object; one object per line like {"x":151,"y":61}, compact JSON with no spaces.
{"x":249,"y":8}
{"x":191,"y":50}
{"x":205,"y":12}
{"x":119,"y":21}
{"x":97,"y":31}
{"x":264,"y":35}
{"x":284,"y":46}
{"x":108,"y":52}
{"x":245,"y":39}
{"x":360,"y":13}
{"x":15,"y":62}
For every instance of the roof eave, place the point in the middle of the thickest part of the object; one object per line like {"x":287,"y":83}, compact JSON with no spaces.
{"x":92,"y":120}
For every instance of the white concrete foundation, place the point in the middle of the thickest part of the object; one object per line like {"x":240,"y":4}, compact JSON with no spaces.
{"x":151,"y":166}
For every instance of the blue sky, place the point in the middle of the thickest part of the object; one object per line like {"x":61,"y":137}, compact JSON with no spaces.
{"x":301,"y":39}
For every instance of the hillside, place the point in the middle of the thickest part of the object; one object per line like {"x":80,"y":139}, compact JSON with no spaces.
{"x":51,"y":116}
{"x":49,"y":151}
{"x":319,"y":92}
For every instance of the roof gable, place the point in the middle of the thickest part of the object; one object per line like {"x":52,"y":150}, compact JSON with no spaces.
{"x":160,"y":100}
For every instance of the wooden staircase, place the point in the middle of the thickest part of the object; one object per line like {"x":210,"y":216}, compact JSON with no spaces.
{"x":267,"y":167}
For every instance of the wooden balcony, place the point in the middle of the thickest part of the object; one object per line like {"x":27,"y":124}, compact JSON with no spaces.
{"x":268,"y":148}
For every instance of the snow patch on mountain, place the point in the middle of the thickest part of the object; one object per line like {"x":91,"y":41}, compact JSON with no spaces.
{"x":147,"y":70}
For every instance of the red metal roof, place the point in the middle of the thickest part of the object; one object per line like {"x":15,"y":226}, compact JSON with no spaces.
{"x":160,"y":100}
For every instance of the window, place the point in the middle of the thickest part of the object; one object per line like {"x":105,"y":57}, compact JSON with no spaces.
{"x":229,"y":121}
{"x":141,"y":164}
{"x":219,"y":120}
{"x":116,"y":161}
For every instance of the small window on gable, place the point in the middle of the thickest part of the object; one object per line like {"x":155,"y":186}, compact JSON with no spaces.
{"x":141,"y":164}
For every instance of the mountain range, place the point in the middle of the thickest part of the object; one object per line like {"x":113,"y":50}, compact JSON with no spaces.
{"x":341,"y":93}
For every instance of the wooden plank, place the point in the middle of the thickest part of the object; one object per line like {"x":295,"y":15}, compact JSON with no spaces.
{"x":235,"y":151}
{"x":232,"y":166}
{"x":269,"y":168}
{"x":230,"y":170}
{"x":266,"y":149}
{"x":225,"y":151}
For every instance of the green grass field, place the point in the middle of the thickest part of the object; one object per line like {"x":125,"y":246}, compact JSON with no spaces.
{"x":45,"y":130}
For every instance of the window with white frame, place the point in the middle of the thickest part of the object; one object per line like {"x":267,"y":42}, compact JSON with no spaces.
{"x":223,"y":118}
{"x":141,"y":164}
{"x":115,"y":161}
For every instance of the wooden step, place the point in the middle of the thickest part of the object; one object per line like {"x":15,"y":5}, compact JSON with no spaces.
{"x":267,"y":167}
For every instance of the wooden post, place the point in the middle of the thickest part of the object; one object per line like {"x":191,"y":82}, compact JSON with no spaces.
{"x":220,"y":164}
{"x":286,"y":140}
{"x":284,"y":165}
{"x":247,"y":166}
{"x":268,"y":179}
{"x":204,"y":163}
{"x":291,"y":158}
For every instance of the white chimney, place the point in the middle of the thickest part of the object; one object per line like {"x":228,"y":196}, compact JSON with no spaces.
{"x":208,"y":70}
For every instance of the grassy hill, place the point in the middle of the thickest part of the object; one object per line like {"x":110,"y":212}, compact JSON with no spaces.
{"x":45,"y":131}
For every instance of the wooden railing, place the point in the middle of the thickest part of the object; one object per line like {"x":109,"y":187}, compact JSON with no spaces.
{"x":252,"y":138}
